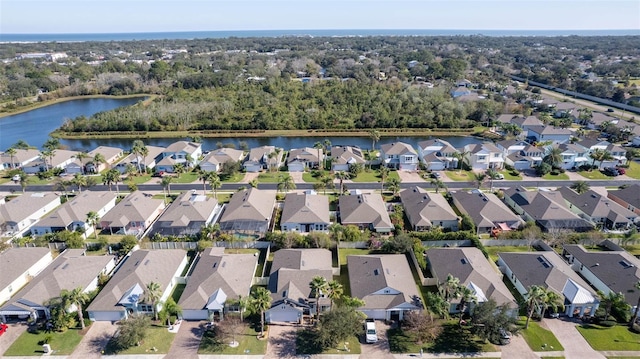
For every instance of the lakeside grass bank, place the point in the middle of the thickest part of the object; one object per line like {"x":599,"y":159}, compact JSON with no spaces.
{"x":36,"y":105}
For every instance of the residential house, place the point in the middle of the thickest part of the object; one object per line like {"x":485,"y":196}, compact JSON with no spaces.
{"x":19,"y":214}
{"x":344,"y":156}
{"x":20,"y":159}
{"x":72,"y":215}
{"x":249,"y":212}
{"x":426,"y":210}
{"x":548,"y":270}
{"x":303,"y":212}
{"x":527,"y":158}
{"x":598,"y":209}
{"x":123,"y":295}
{"x":459,"y":91}
{"x":628,"y":197}
{"x":133,"y":215}
{"x":526,"y":123}
{"x":618,"y":153}
{"x":437,"y":154}
{"x":512,"y":146}
{"x":551,"y":134}
{"x":607,"y":271}
{"x":483,"y":156}
{"x":600,"y":121}
{"x":565,"y":110}
{"x":216,"y":282}
{"x":547,"y":208}
{"x":291,"y":272}
{"x":573,"y":156}
{"x":263,"y":157}
{"x":507,"y":118}
{"x":70,"y":270}
{"x":60,"y":159}
{"x":110,"y":154}
{"x":302,"y":159}
{"x":139,"y":162}
{"x":184,"y":152}
{"x":187,"y":215}
{"x":473,"y":271}
{"x":18,"y":266}
{"x":365,"y":211}
{"x":399,"y":155}
{"x":214,"y":160}
{"x":385,"y":283}
{"x":486,"y":210}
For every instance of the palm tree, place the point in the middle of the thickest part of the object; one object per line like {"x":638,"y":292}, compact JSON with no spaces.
{"x":466,"y":296}
{"x":334,"y":291}
{"x":608,"y":301}
{"x":553,"y":156}
{"x":92,"y":220}
{"x":393,"y":185}
{"x":78,"y":297}
{"x":24,"y":180}
{"x":243,"y":303}
{"x":553,"y":301}
{"x":166,"y":185}
{"x":319,"y":186}
{"x":384,"y":173}
{"x":327,"y":182}
{"x":285,"y":183}
{"x":153,"y":292}
{"x":438,"y":184}
{"x":492,"y":174}
{"x":327,"y":150}
{"x":585,"y":115}
{"x":319,"y":146}
{"x":254,"y":183}
{"x":47,"y":154}
{"x":12,"y":153}
{"x":635,"y":311}
{"x":336,"y":232}
{"x":341,"y":176}
{"x":137,"y":149}
{"x":80,"y":181}
{"x":62,"y":186}
{"x":112,"y":176}
{"x":82,"y":156}
{"x":318,"y":286}
{"x":450,"y":288}
{"x":130,"y":170}
{"x":208,"y":231}
{"x":98,"y":159}
{"x":535,"y":299}
{"x":479,"y":178}
{"x":580,"y":186}
{"x":600,"y":155}
{"x":214,"y":182}
{"x":202,"y":175}
{"x":260,"y":301}
{"x":179,"y":168}
{"x":374,"y":135}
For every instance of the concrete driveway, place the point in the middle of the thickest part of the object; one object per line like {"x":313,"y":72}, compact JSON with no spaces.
{"x":379,"y":350}
{"x":94,"y":341}
{"x":575,"y":346}
{"x":187,"y":341}
{"x":517,"y":348}
{"x":282,"y":341}
{"x":410,"y":176}
{"x":12,"y":333}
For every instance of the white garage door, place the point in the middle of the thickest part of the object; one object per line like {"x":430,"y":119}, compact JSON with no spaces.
{"x":289,"y":315}
{"x":195,"y":314}
{"x":106,"y":316}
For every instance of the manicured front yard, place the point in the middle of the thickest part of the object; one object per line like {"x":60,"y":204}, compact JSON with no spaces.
{"x":29,"y":344}
{"x":269,"y":177}
{"x":452,"y":339}
{"x":157,"y":341}
{"x":460,"y":176}
{"x":559,"y":176}
{"x":634,"y":170}
{"x":595,"y":174}
{"x":374,"y":176}
{"x":509,"y":177}
{"x":614,"y":338}
{"x":540,"y":339}
{"x":137,"y":179}
{"x":249,"y":344}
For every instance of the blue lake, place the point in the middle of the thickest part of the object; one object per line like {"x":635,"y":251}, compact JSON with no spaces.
{"x":34,"y":128}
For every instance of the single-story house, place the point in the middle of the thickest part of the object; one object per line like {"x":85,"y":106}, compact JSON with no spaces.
{"x":217,"y":281}
{"x":18,"y":266}
{"x":133,"y":215}
{"x":139,"y":162}
{"x":263,"y":157}
{"x":214,"y":160}
{"x":70,"y":270}
{"x":292,"y":270}
{"x":385,"y":283}
{"x":303,"y":212}
{"x":598,"y":209}
{"x":548,"y":270}
{"x":366,"y":211}
{"x":426,"y":210}
{"x":72,"y":215}
{"x":124,"y":294}
{"x":486,"y":210}
{"x":249,"y":212}
{"x":59,"y":159}
{"x":302,"y":159}
{"x":20,"y":213}
{"x":474,"y":271}
{"x":111,"y":156}
{"x":19,"y":159}
{"x":187,"y":214}
{"x":344,"y":156}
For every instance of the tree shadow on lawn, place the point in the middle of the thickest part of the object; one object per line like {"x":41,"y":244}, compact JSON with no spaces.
{"x":306,"y":342}
{"x":454,"y":339}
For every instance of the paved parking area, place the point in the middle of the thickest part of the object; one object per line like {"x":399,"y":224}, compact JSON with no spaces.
{"x":282,"y":341}
{"x":379,"y":350}
{"x":12,"y":333}
{"x":575,"y":346}
{"x":187,"y":341}
{"x":410,"y":176}
{"x":94,"y":341}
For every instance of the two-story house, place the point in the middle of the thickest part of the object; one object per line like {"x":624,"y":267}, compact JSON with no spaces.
{"x":438,"y":154}
{"x":543,"y":133}
{"x":183,"y":152}
{"x":399,"y":155}
{"x":263,"y":158}
{"x":483,"y":156}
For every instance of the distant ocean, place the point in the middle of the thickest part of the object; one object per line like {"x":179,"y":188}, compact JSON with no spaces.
{"x":5,"y":38}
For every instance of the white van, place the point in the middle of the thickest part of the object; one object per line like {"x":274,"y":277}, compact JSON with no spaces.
{"x":371,"y":335}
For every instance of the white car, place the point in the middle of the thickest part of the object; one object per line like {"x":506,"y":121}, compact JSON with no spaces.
{"x":15,"y":178}
{"x":371,"y":335}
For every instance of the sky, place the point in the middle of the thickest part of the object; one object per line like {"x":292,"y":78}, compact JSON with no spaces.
{"x":113,"y":16}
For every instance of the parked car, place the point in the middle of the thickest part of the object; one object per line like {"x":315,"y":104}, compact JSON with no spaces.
{"x":621,"y":170}
{"x":500,"y":176}
{"x":3,"y":328}
{"x":610,"y":110}
{"x":505,"y":337}
{"x":15,"y":178}
{"x":610,"y":171}
{"x":436,"y":175}
{"x":371,"y":335}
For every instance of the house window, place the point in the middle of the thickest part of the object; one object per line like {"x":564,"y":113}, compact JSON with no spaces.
{"x":481,"y":158}
{"x":386,"y":291}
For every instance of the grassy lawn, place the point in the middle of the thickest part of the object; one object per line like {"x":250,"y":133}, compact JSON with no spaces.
{"x":224,"y":197}
{"x":595,"y":174}
{"x":452,"y":339}
{"x":177,"y":292}
{"x":540,"y":339}
{"x":269,"y":177}
{"x":308,"y":177}
{"x":344,"y":273}
{"x":460,"y":176}
{"x":249,"y":344}
{"x":61,"y":343}
{"x":158,"y":337}
{"x":352,"y":344}
{"x":35,"y":180}
{"x":560,"y":176}
{"x":634,"y":170}
{"x":188,"y":177}
{"x":139,"y":179}
{"x":494,"y":250}
{"x":374,"y":176}
{"x":231,"y":179}
{"x":614,"y":338}
{"x":509,"y":177}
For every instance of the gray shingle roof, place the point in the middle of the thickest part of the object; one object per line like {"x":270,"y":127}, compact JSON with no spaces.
{"x":597,"y":205}
{"x":346,"y":155}
{"x":19,"y":208}
{"x":77,"y":209}
{"x":485,"y":209}
{"x":250,"y":205}
{"x":135,"y":207}
{"x":630,"y":195}
{"x":424,"y":208}
{"x":364,"y":208}
{"x":14,"y":262}
{"x":188,"y":207}
{"x":398,"y":148}
{"x":233,"y":273}
{"x":305,"y":208}
{"x":293,"y":269}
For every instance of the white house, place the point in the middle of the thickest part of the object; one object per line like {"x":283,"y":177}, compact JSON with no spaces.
{"x":19,"y":159}
{"x":483,"y":156}
{"x":215,"y":159}
{"x":305,"y":213}
{"x":438,"y":154}
{"x":399,"y":155}
{"x":184,"y":152}
{"x":263,"y":157}
{"x":20,"y":213}
{"x":344,"y":156}
{"x":301,"y":159}
{"x":573,"y":156}
{"x":18,"y":266}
